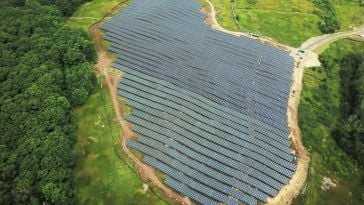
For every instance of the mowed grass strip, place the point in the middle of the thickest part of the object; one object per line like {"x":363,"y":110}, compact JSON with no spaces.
{"x":101,"y":176}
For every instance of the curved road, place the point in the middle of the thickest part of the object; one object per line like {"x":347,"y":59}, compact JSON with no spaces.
{"x":316,"y":42}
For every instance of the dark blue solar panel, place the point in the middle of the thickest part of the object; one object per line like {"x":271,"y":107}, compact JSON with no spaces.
{"x":210,"y":108}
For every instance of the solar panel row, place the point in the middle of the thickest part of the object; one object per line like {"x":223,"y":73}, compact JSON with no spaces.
{"x":223,"y":163}
{"x":233,"y":117}
{"x":219,"y":180}
{"x":154,"y":46}
{"x":215,"y":146}
{"x":195,"y":127}
{"x":210,"y":108}
{"x":212,"y":188}
{"x":221,"y":128}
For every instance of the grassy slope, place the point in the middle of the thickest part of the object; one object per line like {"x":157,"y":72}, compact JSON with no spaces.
{"x":350,"y":16}
{"x":102,"y":177}
{"x":224,"y":14}
{"x":349,"y":13}
{"x":288,"y":21}
{"x":318,"y":113}
{"x":275,"y":25}
{"x":93,"y":11}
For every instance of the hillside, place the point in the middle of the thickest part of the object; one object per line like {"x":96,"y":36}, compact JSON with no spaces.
{"x":287,"y":21}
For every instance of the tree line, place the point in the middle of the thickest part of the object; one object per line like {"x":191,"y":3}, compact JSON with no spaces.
{"x":65,"y":7}
{"x":46,"y":70}
{"x":349,"y":131}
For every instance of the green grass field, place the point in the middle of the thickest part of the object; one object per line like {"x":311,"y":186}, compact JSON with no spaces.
{"x":274,"y":24}
{"x":101,"y":176}
{"x":289,"y":22}
{"x":350,"y":16}
{"x":90,"y":12}
{"x":318,"y":114}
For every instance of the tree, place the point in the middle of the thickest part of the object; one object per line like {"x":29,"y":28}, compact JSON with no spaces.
{"x":46,"y":71}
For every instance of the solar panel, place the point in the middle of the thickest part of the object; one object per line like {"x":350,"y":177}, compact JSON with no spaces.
{"x":210,"y":108}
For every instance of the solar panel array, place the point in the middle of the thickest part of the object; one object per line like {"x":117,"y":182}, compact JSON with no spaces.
{"x":210,"y":108}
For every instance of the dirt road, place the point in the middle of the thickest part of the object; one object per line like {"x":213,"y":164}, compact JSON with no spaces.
{"x":292,"y":189}
{"x":315,"y":42}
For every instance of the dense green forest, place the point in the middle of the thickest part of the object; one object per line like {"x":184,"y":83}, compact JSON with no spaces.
{"x":46,"y":70}
{"x":349,"y":131}
{"x":65,"y":7}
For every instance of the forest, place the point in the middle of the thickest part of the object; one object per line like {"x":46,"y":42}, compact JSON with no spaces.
{"x":349,"y":132}
{"x":46,"y":70}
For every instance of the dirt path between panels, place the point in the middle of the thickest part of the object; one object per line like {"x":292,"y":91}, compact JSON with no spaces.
{"x":112,"y":78}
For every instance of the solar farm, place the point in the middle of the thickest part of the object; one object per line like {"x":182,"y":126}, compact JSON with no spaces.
{"x":210,"y":109}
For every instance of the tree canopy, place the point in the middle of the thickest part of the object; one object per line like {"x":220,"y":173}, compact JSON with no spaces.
{"x":66,"y":7}
{"x":46,"y":70}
